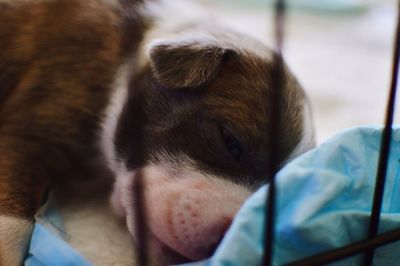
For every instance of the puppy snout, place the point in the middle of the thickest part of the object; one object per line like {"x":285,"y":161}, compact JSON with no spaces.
{"x":199,"y":222}
{"x":190,"y":213}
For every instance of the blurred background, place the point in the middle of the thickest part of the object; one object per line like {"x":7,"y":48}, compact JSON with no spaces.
{"x":340,"y":50}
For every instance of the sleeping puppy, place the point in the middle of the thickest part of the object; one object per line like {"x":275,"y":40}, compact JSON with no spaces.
{"x":89,"y":86}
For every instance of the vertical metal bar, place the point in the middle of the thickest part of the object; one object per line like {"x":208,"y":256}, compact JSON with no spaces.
{"x":132,"y":35}
{"x":280,"y":16}
{"x":277,"y":84}
{"x":385,"y":147}
{"x":140,"y":218}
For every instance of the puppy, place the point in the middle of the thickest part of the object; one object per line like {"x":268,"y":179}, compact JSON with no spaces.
{"x":89,"y":86}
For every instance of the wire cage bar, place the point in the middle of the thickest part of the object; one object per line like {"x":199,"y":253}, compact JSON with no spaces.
{"x":385,"y":147}
{"x":140,"y":218}
{"x":277,"y":85}
{"x":349,"y":250}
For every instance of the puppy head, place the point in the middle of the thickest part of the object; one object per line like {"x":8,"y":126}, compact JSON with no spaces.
{"x":196,"y":124}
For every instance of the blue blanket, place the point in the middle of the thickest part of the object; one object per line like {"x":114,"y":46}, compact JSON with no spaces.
{"x":323,"y":201}
{"x":48,"y":245}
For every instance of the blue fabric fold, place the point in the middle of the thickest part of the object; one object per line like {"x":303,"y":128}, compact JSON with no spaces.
{"x":47,"y":246}
{"x":47,"y":249}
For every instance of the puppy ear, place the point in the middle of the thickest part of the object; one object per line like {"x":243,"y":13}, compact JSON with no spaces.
{"x":189,"y":63}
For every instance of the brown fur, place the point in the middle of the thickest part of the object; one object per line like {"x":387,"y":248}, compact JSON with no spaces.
{"x":57,"y":61}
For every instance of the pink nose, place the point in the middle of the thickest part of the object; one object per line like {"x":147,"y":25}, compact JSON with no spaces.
{"x":192,"y":216}
{"x":198,"y":222}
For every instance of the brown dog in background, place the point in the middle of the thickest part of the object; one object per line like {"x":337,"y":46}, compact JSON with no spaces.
{"x":87,"y":86}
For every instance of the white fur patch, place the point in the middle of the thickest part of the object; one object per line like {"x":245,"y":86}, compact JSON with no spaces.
{"x":307,"y":141}
{"x":15,"y":234}
{"x":112,"y":113}
{"x":121,"y":192}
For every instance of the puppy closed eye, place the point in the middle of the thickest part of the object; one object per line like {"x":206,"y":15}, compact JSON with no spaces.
{"x":232,"y":144}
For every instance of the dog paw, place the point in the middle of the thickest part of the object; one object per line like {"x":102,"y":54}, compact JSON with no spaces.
{"x":15,"y":234}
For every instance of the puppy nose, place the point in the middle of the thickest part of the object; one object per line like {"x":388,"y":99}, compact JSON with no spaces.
{"x":200,"y":221}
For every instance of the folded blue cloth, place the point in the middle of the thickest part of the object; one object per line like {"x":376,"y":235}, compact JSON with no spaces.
{"x":49,"y":250}
{"x":47,"y":247}
{"x":323,"y":202}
